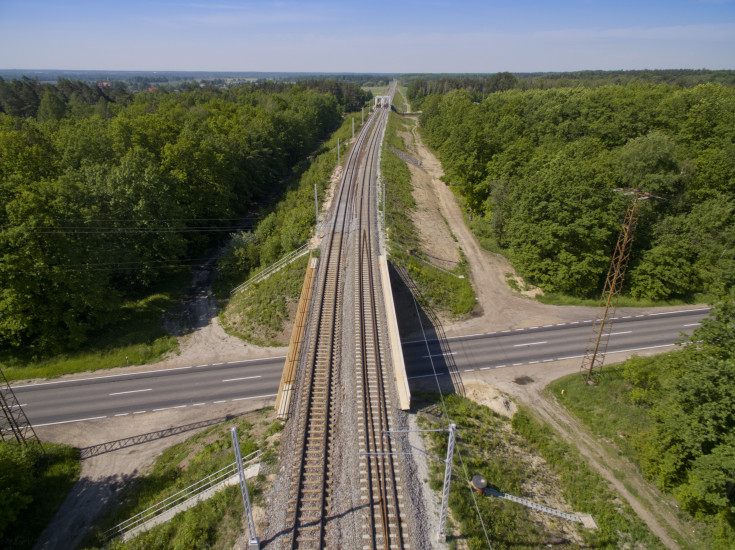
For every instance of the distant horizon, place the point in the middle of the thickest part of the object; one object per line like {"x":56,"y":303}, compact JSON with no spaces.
{"x":339,"y":73}
{"x":342,"y":36}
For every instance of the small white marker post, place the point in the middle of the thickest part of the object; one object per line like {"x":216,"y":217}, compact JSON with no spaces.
{"x":253,"y":542}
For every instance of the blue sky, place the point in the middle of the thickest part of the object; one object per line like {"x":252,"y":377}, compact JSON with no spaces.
{"x":382,"y":36}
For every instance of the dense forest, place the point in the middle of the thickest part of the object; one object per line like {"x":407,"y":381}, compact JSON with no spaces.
{"x":538,"y":170}
{"x":101,"y":195}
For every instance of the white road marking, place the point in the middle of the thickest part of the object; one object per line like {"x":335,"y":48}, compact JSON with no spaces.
{"x":529,"y":344}
{"x":200,"y":366}
{"x":198,"y":404}
{"x":168,"y":408}
{"x":244,"y":378}
{"x":20,"y":405}
{"x":215,"y":364}
{"x":222,"y":401}
{"x":616,"y":333}
{"x":517,"y":364}
{"x":131,"y":391}
{"x":693,"y":325}
{"x":69,"y":421}
{"x":673,"y":312}
{"x":485,"y":368}
{"x":438,"y":354}
{"x":140,"y":412}
{"x":469,"y":370}
{"x":122,"y":414}
{"x":500,"y":366}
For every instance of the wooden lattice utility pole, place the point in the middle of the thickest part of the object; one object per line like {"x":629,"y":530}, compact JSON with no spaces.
{"x":594,"y":356}
{"x":14,"y":422}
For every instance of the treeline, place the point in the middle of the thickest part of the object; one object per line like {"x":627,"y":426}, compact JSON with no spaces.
{"x":28,"y":97}
{"x":367,"y":80}
{"x":421,"y":86}
{"x":478,"y":87}
{"x":94,"y":210}
{"x":538,"y":170}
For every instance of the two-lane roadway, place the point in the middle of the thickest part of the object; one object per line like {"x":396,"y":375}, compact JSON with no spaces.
{"x":130,"y":394}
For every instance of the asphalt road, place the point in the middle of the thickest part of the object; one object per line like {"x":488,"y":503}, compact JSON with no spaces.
{"x":105,"y":396}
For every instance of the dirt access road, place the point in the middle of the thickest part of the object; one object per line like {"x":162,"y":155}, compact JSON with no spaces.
{"x":499,"y":307}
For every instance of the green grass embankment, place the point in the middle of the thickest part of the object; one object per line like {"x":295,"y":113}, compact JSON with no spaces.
{"x":623,"y":414}
{"x":136,"y":337}
{"x":441,"y":290}
{"x":506,"y":453}
{"x":213,"y":523}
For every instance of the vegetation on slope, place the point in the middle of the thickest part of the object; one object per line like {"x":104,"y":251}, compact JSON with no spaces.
{"x":538,"y":170}
{"x":506,"y":454}
{"x":674,"y":415}
{"x":32,"y":487}
{"x":441,"y":290}
{"x":213,"y":523}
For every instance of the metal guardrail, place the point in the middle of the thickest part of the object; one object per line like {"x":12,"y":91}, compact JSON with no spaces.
{"x":190,"y":492}
{"x":268,"y":271}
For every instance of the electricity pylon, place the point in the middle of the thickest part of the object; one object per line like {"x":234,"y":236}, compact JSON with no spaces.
{"x":14,"y":422}
{"x":594,"y":356}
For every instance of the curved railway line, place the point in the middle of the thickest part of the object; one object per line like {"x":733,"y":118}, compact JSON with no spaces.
{"x":349,"y":244}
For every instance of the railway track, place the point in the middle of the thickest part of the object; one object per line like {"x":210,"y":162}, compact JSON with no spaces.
{"x":379,"y":481}
{"x":311,"y":489}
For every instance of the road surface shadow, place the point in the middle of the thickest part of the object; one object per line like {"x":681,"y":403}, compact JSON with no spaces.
{"x":418,"y":321}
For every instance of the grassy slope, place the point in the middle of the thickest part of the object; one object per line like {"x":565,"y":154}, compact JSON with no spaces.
{"x":257,"y":314}
{"x":214,"y":523}
{"x":610,"y":414}
{"x":503,"y":452}
{"x":440,"y":290}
